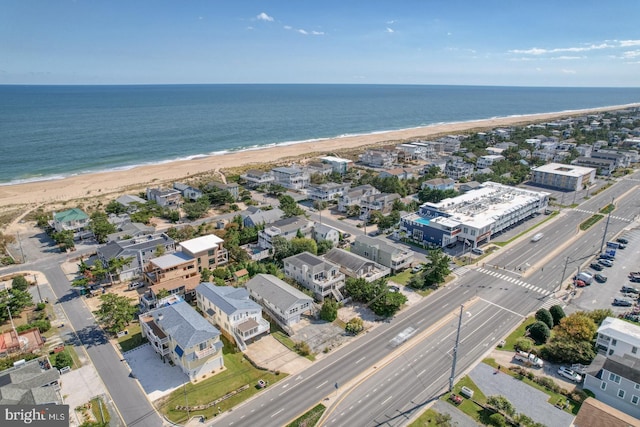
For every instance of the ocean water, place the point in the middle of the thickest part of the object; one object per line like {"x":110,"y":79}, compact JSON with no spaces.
{"x":48,"y":132}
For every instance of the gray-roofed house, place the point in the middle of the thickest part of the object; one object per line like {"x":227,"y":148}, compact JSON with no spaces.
{"x":291,"y":177}
{"x":232,"y":188}
{"x":439,"y":184}
{"x":167,"y":198}
{"x":179,"y":334}
{"x":326,"y":232}
{"x":131,"y":202}
{"x":139,"y":249}
{"x":238,"y":316}
{"x":321,"y":277}
{"x":187,"y":191}
{"x":253,"y":216}
{"x":284,"y":303}
{"x":615,"y":381}
{"x":327,"y":192}
{"x":287,"y":228}
{"x":130,"y":230}
{"x":35,"y":382}
{"x":356,"y":266}
{"x":382,"y":203}
{"x":383,"y":252}
{"x":255,"y":178}
{"x":355,"y":195}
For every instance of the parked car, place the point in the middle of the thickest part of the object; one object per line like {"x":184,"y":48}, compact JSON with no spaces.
{"x":477,"y":251}
{"x":452,"y":245}
{"x":623,"y":302}
{"x":621,"y":246}
{"x":346,"y":235}
{"x":569,"y":374}
{"x":579,"y":283}
{"x":596,"y":266}
{"x":606,"y":256}
{"x":600,"y":278}
{"x":622,"y":240}
{"x":605,"y":262}
{"x":528,"y":359}
{"x":630,"y":290}
{"x":417,"y":268}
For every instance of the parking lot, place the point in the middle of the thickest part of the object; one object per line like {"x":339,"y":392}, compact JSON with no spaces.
{"x":602,"y":295}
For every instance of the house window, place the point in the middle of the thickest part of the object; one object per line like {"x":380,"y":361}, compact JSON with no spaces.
{"x":615,"y":378}
{"x":635,"y":399}
{"x":621,"y":393}
{"x":203,"y":345}
{"x":614,"y":342}
{"x":211,"y":252}
{"x":636,"y":386}
{"x":603,"y":385}
{"x":634,"y":350}
{"x":610,"y":352}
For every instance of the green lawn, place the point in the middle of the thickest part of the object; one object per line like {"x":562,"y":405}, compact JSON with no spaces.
{"x":590,"y":221}
{"x":133,"y":339}
{"x":310,"y":418}
{"x":288,"y":342}
{"x":467,"y":406}
{"x":429,"y":418}
{"x":99,"y":410}
{"x":518,"y":333}
{"x":402,"y":278}
{"x":238,"y":372}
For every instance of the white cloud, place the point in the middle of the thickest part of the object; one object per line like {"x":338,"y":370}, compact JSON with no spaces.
{"x":566,"y":71}
{"x":393,"y":21}
{"x":301,"y":31}
{"x":264,"y":17}
{"x":249,"y":28}
{"x":631,"y":54}
{"x":567,"y":58}
{"x":389,"y":30}
{"x":288,"y":27}
{"x":317,"y":33}
{"x":200,"y":18}
{"x":628,"y":43}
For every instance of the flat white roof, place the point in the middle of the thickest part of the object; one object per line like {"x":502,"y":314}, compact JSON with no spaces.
{"x":171,"y":260}
{"x":202,"y":243}
{"x":336,"y":159}
{"x":566,"y":170}
{"x":620,"y":330}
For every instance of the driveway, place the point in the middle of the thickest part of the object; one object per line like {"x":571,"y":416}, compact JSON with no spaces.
{"x":156,"y":378}
{"x":525,"y":399}
{"x":269,"y":353}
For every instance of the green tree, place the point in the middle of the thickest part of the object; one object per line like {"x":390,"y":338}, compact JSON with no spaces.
{"x":100,"y":226}
{"x":205,"y":275}
{"x":197,"y":209}
{"x":281,"y":248}
{"x":116,"y":208}
{"x":62,"y":360}
{"x":353,"y":211}
{"x":289,"y":206}
{"x":64,"y":239}
{"x":557,"y":313}
{"x":299,"y":245}
{"x":562,"y":351}
{"x":115,"y":312}
{"x":501,"y":404}
{"x":162,"y":293}
{"x":324,"y":246}
{"x":599,"y":315}
{"x":354,"y":326}
{"x":160,"y":250}
{"x":497,"y":420}
{"x":523,"y":343}
{"x":20,"y":283}
{"x":434,"y":273}
{"x":387,"y":303}
{"x":116,"y":265}
{"x":81,"y":283}
{"x":329,"y":310}
{"x":543,"y":315}
{"x":576,"y":327}
{"x":539,"y":332}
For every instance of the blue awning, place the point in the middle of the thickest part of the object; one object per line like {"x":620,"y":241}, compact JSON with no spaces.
{"x":178,"y":351}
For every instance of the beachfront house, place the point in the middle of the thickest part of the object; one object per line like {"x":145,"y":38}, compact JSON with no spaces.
{"x":232,"y":188}
{"x":318,"y":275}
{"x":167,"y":198}
{"x":282,"y":302}
{"x":71,"y":220}
{"x":238,"y":316}
{"x":180,"y":335}
{"x":291,"y":177}
{"x":379,"y":158}
{"x":131,"y":202}
{"x":356,"y":266}
{"x":188,"y":192}
{"x":255,"y":178}
{"x":338,"y":164}
{"x":383,"y":252}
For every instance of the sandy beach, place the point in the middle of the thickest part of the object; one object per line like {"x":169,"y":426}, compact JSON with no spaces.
{"x":95,"y":184}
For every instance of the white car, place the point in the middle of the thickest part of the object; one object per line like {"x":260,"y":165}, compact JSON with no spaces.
{"x":529,"y":359}
{"x":569,"y":374}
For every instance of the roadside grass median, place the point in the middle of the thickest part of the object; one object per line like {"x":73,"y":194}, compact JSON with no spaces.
{"x":519,"y":332}
{"x":309,"y":418}
{"x":590,"y":221}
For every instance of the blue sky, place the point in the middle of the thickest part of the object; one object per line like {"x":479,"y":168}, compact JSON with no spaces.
{"x":515,"y":43}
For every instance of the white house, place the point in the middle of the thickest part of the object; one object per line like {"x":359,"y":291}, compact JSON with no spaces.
{"x":615,"y":336}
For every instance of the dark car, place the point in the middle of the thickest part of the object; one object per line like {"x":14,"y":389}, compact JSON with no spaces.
{"x":600,"y":278}
{"x":622,"y":302}
{"x":346,"y":235}
{"x":596,"y":266}
{"x":606,"y":256}
{"x":622,"y":240}
{"x":630,"y":290}
{"x":621,"y":246}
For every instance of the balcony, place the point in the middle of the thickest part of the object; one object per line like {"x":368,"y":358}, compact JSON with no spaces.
{"x":206,"y":352}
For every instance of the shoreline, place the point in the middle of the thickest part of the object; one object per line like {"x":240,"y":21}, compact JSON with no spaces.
{"x":93,"y":184}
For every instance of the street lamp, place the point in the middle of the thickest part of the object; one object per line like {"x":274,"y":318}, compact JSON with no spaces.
{"x":455,"y":349}
{"x":35,"y":278}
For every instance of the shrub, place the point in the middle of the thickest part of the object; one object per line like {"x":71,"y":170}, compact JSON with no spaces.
{"x":544,"y":316}
{"x":578,"y":395}
{"x":523,"y":344}
{"x":548,"y":383}
{"x":302,"y":348}
{"x":539,"y":332}
{"x":354,"y":326}
{"x":62,"y":359}
{"x":497,"y":420}
{"x":329,"y":310}
{"x":557,"y":313}
{"x":41,"y":306}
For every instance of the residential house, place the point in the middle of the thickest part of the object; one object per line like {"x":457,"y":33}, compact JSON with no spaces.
{"x":439,"y":184}
{"x":382,"y":202}
{"x":603,"y":166}
{"x":354,"y":196}
{"x":238,"y":317}
{"x":167,"y":198}
{"x":179,"y":334}
{"x":413,"y":151}
{"x":131,"y":202}
{"x":188,"y":192}
{"x":12,"y":342}
{"x":139,"y":249}
{"x":400,"y":173}
{"x":326,"y":232}
{"x":620,"y":158}
{"x":338,"y":164}
{"x":327,"y":192}
{"x":390,"y":255}
{"x":544,"y":155}
{"x":34,"y":382}
{"x":319,"y":168}
{"x":131,"y":230}
{"x":321,"y":277}
{"x":356,"y":266}
{"x":595,"y":413}
{"x":291,"y":177}
{"x":615,"y":380}
{"x":232,"y":188}
{"x":438,"y":163}
{"x":255,"y":178}
{"x":458,"y":170}
{"x":379,"y":158}
{"x":176,"y":273}
{"x":282,"y":302}
{"x":254,"y":216}
{"x":208,"y":251}
{"x":615,"y":336}
{"x":487,"y":161}
{"x":287,"y":228}
{"x":71,"y":220}
{"x":431,"y":149}
{"x":450,"y":144}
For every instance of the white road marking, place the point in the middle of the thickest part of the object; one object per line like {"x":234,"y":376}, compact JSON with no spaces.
{"x":276,"y":413}
{"x":386,"y":400}
{"x":322,"y":384}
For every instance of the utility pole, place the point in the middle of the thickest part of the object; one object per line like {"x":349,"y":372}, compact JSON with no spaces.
{"x":35,"y":278}
{"x":186,"y":400}
{"x":606,"y":226}
{"x":564,"y":271}
{"x":455,"y":351}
